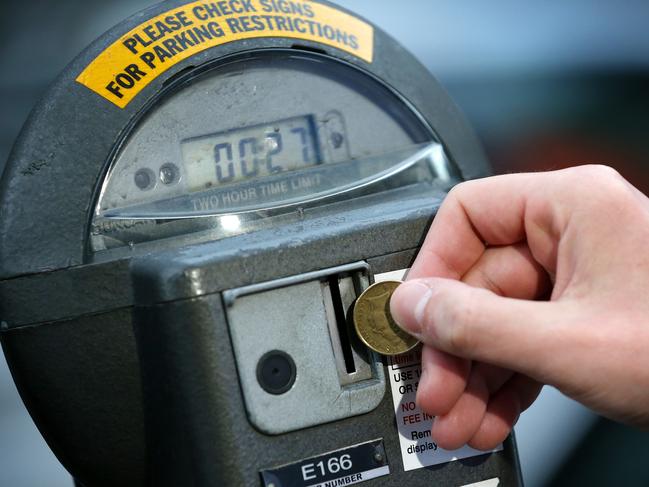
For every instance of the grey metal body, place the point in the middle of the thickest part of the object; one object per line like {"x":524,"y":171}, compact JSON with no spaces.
{"x":72,"y":319}
{"x":179,"y":340}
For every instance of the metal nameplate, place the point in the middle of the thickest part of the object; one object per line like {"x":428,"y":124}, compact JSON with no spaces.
{"x":347,"y":466}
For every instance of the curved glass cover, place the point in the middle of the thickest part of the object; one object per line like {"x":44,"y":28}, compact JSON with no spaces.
{"x":257,"y":138}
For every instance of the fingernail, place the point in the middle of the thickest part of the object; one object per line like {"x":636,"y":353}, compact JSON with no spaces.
{"x":408,"y":305}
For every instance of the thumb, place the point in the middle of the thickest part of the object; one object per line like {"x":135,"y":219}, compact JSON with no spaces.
{"x":476,"y":324}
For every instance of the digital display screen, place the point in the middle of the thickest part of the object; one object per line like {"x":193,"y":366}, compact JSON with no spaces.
{"x":251,"y":152}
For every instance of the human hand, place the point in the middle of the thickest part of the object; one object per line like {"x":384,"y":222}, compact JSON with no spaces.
{"x":525,"y":280}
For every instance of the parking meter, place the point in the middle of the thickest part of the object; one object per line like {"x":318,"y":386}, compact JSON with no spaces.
{"x":187,"y":219}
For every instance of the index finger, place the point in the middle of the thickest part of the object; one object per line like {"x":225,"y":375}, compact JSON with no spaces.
{"x":475,"y":214}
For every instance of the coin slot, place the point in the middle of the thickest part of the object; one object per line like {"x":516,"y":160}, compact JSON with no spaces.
{"x":339,"y":292}
{"x":341,"y":324}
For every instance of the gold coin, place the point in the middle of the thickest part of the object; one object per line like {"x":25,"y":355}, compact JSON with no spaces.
{"x":374,"y":324}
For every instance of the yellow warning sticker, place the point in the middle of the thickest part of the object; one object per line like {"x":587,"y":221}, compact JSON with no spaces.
{"x":126,"y":67}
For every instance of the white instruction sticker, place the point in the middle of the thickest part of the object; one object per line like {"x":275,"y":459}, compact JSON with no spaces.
{"x":417,"y":447}
{"x":495,"y":482}
{"x":399,"y":275}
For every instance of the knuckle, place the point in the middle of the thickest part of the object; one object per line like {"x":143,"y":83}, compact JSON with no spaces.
{"x":599,"y":177}
{"x":602,"y":172}
{"x":455,"y":190}
{"x":456,"y":320}
{"x":431,"y":321}
{"x":458,"y":191}
{"x":598,"y":187}
{"x":460,"y":334}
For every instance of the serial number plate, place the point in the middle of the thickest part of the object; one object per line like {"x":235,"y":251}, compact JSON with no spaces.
{"x":347,"y":466}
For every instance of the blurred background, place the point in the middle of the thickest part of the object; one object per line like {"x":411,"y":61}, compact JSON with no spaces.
{"x":545,"y":84}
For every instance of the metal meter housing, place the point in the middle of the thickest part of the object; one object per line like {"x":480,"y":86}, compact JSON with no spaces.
{"x":131,"y":348}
